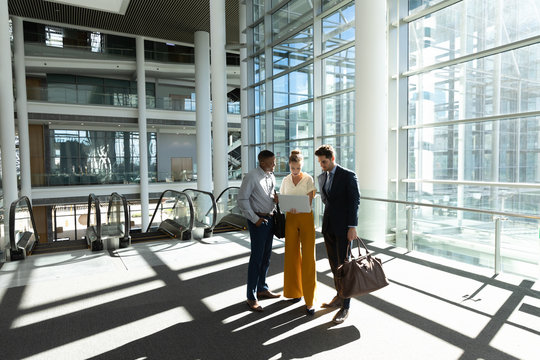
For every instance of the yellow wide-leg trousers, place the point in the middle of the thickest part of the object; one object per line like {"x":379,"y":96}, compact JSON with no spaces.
{"x":300,"y":276}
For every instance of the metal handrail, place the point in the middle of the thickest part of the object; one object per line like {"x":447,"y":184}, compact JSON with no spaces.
{"x":490,"y":212}
{"x":12,"y":208}
{"x":214,"y":206}
{"x":190,"y":202}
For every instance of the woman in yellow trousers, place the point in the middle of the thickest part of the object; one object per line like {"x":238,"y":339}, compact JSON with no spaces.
{"x":300,"y":277}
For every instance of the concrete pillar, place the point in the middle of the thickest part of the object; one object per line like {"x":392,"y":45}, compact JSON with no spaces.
{"x":243,"y":84}
{"x":219,"y":95}
{"x":7,"y":120}
{"x":371,"y":139}
{"x":21,"y":104}
{"x":143,"y":142}
{"x":203,"y":123}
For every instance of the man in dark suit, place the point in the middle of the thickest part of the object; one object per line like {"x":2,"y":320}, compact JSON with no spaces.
{"x":339,"y":193}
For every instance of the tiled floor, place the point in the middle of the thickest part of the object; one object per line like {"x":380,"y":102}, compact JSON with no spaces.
{"x":186,"y":300}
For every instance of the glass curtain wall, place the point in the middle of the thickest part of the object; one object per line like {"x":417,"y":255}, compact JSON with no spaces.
{"x":301,"y":79}
{"x":473,"y":127}
{"x":84,"y":157}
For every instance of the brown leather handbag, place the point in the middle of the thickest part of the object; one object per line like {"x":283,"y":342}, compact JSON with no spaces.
{"x":361,"y":275}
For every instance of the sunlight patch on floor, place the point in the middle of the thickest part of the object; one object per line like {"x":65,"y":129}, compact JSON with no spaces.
{"x":84,"y":304}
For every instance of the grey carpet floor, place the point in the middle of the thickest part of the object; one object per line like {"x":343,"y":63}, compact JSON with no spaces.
{"x":186,"y":300}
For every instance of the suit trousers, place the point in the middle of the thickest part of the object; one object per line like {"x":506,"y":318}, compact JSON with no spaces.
{"x":259,"y":261}
{"x":300,"y":276}
{"x":336,"y":248}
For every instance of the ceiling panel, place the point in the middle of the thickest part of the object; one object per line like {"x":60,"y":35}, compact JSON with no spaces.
{"x":174,"y":20}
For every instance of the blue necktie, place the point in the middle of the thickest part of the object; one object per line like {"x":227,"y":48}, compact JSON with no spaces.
{"x":328,"y":184}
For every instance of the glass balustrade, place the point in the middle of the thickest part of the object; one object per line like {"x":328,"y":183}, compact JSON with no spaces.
{"x":204,"y":210}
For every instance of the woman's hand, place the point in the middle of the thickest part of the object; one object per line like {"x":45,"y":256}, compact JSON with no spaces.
{"x":292,"y":211}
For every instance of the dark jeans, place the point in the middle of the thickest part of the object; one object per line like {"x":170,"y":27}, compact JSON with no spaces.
{"x":259,"y":261}
{"x":336,"y":248}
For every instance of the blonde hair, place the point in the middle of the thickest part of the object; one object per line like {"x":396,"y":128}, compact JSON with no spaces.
{"x":296,"y":156}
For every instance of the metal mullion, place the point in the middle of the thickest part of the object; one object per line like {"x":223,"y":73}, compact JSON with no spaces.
{"x":340,"y":48}
{"x":481,"y":54}
{"x":474,"y":120}
{"x":293,"y":69}
{"x":291,"y":105}
{"x":508,"y":214}
{"x":300,"y":28}
{"x":336,"y":93}
{"x":429,"y":10}
{"x":474,"y":183}
{"x":333,"y":9}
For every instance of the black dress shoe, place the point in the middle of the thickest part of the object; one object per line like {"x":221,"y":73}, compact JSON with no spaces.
{"x":310,"y":310}
{"x":267,"y":294}
{"x":340,"y":316}
{"x":294,"y":300}
{"x":336,"y":302}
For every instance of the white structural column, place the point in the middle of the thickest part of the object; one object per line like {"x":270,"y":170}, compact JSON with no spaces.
{"x":203,"y":123}
{"x":219,"y":95}
{"x":21,"y":105}
{"x":7,"y":120}
{"x":143,"y":142}
{"x":371,"y":139}
{"x":243,"y":85}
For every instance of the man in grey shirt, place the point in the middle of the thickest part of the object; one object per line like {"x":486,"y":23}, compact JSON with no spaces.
{"x":256,"y":200}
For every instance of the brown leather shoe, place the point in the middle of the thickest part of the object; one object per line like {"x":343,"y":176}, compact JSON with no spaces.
{"x":254,"y":305}
{"x":267,"y":294}
{"x":335,"y":302}
{"x":340,"y":316}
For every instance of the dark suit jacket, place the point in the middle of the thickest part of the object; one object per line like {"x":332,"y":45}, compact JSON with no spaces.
{"x":341,"y":203}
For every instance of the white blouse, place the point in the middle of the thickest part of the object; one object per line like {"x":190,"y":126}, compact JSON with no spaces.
{"x":304,"y":187}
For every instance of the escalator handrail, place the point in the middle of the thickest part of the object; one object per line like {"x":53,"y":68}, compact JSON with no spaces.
{"x":127,"y":217}
{"x":12,"y":209}
{"x":92,"y":198}
{"x":214,"y":205}
{"x":227,"y":189}
{"x":190,"y":202}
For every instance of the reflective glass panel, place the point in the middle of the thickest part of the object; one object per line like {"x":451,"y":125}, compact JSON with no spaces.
{"x":344,"y":148}
{"x":258,"y":9}
{"x":258,"y":68}
{"x":293,"y":51}
{"x":292,"y":14}
{"x":499,"y":84}
{"x":471,"y":26}
{"x":294,"y":123}
{"x":260,"y":94}
{"x":338,"y":114}
{"x":259,"y":123}
{"x":283,"y":151}
{"x":258,"y":37}
{"x":293,"y":87}
{"x":339,"y":71}
{"x":338,"y":28}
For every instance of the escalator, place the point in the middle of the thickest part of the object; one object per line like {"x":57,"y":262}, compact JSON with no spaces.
{"x":113,"y":231}
{"x":204,"y":213}
{"x":229,"y":216}
{"x":23,"y":234}
{"x":173,"y":218}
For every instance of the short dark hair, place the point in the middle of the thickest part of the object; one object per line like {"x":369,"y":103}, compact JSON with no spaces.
{"x":265,"y":154}
{"x":325,"y":150}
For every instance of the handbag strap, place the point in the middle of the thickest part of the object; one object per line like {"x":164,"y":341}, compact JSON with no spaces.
{"x":360,"y":241}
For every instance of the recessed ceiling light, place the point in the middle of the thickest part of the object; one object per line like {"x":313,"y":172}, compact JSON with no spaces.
{"x":112,"y":6}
